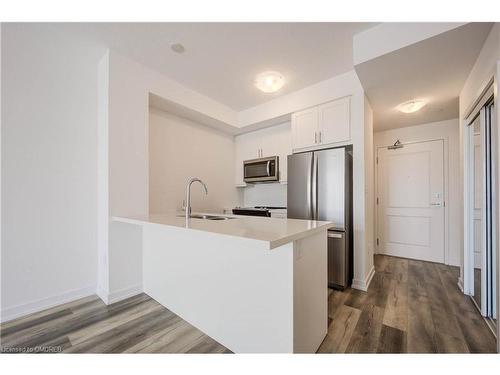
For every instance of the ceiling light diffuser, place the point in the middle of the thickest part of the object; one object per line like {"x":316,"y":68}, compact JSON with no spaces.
{"x":269,"y":81}
{"x":411,"y":106}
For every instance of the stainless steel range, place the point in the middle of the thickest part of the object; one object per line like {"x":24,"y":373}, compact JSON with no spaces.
{"x":256,"y":211}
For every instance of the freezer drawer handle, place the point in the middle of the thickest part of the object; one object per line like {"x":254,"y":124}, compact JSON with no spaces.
{"x":334,"y":235}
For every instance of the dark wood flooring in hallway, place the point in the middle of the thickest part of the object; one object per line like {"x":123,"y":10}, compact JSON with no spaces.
{"x":410,"y":307}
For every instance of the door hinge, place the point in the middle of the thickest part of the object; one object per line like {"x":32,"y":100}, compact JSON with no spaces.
{"x":377,"y":241}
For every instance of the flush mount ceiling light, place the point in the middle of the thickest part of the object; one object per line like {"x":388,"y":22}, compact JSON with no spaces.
{"x":177,"y":47}
{"x":269,"y":81}
{"x":411,"y":106}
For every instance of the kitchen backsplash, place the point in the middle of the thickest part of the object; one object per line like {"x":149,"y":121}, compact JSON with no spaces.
{"x":272,"y":194}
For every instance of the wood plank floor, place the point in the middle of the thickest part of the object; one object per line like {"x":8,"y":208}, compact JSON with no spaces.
{"x":136,"y":325}
{"x":411,"y":306}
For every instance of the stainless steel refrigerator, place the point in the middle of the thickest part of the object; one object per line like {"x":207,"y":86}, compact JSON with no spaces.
{"x":320,"y":188}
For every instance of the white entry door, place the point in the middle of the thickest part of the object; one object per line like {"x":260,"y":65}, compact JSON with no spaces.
{"x":410,"y":187}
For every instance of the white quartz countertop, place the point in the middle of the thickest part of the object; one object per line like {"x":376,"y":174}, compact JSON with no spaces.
{"x":275,"y":232}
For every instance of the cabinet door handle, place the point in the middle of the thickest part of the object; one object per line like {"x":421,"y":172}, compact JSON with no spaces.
{"x":319,"y":137}
{"x":315,"y":137}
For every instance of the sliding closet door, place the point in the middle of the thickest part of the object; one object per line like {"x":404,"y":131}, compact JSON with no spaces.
{"x":478,"y":231}
{"x":490,"y":214}
{"x":483,"y":208}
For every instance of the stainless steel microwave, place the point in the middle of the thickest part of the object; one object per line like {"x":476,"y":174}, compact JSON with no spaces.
{"x":261,"y":170}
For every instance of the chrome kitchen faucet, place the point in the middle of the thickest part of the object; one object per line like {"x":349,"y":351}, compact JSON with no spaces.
{"x":188,"y":195}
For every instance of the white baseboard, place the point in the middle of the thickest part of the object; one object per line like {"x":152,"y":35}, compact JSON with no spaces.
{"x":18,"y":311}
{"x":103,"y":295}
{"x":477,"y":260}
{"x":369,"y":279}
{"x":460,"y":284}
{"x":123,"y":294}
{"x":364,"y":284}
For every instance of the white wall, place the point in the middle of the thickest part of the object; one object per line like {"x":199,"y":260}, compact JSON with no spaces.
{"x":390,"y":36}
{"x":130,"y":85}
{"x":363,"y":255}
{"x":449,"y":131}
{"x":49,"y":167}
{"x":102,"y":177}
{"x":180,"y":149}
{"x":282,"y":106}
{"x":369,"y":189}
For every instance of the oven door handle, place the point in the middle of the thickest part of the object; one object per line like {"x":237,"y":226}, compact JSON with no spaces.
{"x":268,"y":168}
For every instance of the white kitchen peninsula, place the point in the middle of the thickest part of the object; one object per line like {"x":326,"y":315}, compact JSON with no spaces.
{"x":254,"y":284}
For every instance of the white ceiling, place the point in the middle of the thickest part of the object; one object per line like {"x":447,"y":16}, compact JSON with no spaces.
{"x":434,"y":69}
{"x":222,"y":59}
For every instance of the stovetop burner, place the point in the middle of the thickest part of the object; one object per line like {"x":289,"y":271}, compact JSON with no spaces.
{"x":255,"y":211}
{"x":271,"y":207}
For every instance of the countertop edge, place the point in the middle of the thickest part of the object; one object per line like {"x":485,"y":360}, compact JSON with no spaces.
{"x":293,"y":237}
{"x":269,"y":244}
{"x":265,"y":244}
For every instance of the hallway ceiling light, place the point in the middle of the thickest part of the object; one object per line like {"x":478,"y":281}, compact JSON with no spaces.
{"x":411,"y":106}
{"x":269,"y":81}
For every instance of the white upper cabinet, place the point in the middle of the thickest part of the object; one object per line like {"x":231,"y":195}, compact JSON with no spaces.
{"x":317,"y":127}
{"x":272,"y":141}
{"x":276,"y":140}
{"x":322,"y":125}
{"x":248,"y":146}
{"x":334,"y":121}
{"x":305,"y":128}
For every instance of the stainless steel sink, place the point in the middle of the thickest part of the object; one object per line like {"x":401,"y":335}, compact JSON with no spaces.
{"x":209,"y":217}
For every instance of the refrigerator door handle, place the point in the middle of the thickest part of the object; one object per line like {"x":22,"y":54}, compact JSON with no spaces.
{"x":309,"y":194}
{"x":314,"y":187}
